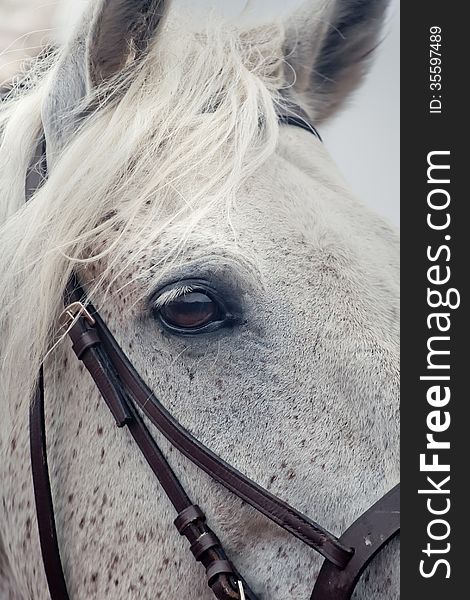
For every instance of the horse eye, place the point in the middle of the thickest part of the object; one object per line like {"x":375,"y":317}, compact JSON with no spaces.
{"x":192,"y":312}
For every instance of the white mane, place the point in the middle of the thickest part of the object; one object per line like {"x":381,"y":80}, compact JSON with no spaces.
{"x":152,"y":156}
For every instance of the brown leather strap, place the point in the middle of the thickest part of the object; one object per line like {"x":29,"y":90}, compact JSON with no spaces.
{"x":204,"y":544}
{"x":35,"y":176}
{"x":43,"y":496}
{"x":206,"y":547}
{"x":292,"y":114}
{"x":86,"y":344}
{"x":372,"y":531}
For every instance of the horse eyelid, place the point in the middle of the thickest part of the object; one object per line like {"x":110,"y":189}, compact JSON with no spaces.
{"x":168,"y":296}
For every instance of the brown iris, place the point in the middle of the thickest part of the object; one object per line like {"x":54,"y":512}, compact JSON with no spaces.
{"x":192,"y":310}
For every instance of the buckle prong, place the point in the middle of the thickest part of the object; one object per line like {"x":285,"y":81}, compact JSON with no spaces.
{"x":74,"y":310}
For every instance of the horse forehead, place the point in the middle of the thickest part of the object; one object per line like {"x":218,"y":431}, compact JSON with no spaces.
{"x":284,"y":203}
{"x":300,"y":200}
{"x":293,"y":206}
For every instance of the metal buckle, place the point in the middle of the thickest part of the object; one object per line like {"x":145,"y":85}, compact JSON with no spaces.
{"x":241,"y":590}
{"x":74,"y":310}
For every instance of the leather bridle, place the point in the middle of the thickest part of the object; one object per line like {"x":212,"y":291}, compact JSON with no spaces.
{"x":130,"y":400}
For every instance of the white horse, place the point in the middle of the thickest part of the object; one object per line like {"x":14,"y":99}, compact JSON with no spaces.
{"x":171,"y":177}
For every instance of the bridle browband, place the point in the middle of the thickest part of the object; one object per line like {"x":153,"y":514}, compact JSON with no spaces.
{"x":130,"y":400}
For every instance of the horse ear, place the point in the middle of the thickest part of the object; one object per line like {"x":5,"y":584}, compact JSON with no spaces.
{"x":329,"y":49}
{"x":110,"y":34}
{"x":120,"y":31}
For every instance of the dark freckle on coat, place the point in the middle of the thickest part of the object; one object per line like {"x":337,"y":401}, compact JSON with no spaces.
{"x":273,"y":479}
{"x":141,"y":537}
{"x":70,"y":498}
{"x":13,"y":444}
{"x":94,"y":577}
{"x":291,"y":475}
{"x":99,"y":430}
{"x":82,"y":523}
{"x":28,"y":528}
{"x":283,"y":464}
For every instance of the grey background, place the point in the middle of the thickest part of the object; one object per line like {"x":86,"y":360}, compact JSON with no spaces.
{"x":365,"y":138}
